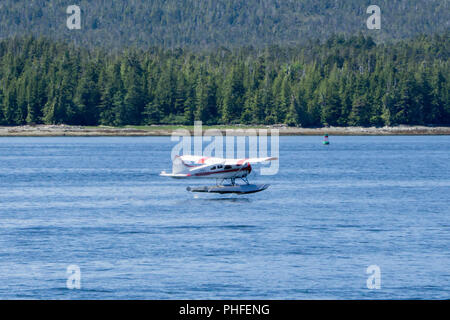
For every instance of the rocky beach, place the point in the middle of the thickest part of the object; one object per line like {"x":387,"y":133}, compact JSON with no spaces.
{"x":65,"y":130}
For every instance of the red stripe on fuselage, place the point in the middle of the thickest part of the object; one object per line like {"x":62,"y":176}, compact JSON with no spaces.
{"x":249,"y":169}
{"x":188,"y":165}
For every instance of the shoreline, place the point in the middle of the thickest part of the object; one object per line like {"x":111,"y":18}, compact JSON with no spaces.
{"x":143,"y":131}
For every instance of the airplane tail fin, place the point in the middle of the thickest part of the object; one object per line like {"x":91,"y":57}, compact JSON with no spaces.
{"x":179,"y":166}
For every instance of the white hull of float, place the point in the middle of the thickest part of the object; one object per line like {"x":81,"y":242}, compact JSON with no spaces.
{"x":238,"y":189}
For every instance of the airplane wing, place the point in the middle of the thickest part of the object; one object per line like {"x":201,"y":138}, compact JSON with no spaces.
{"x":215,"y":160}
{"x":190,"y":158}
{"x":250,"y":160}
{"x":201,"y":159}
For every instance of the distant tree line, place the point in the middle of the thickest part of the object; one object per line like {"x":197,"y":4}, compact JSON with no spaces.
{"x":342,"y":81}
{"x":201,"y":24}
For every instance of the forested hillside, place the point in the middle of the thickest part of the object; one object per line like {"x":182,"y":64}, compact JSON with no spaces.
{"x":214,"y":23}
{"x":344,"y":81}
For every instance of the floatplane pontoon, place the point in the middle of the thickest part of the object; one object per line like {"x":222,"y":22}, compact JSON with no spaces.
{"x":191,"y":167}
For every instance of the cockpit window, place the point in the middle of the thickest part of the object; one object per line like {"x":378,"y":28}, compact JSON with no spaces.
{"x":227,"y":167}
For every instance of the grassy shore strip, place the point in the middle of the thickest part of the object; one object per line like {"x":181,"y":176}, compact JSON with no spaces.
{"x":64,"y":130}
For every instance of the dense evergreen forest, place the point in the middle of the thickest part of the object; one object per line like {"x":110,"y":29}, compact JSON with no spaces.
{"x":342,"y":81}
{"x":200,"y":24}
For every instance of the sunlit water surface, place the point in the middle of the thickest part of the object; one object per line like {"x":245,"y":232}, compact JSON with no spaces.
{"x":330,"y":212}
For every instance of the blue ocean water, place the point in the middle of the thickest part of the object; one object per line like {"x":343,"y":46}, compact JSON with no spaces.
{"x":330,"y":212}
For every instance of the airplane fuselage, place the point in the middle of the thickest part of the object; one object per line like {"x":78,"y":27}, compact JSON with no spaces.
{"x":221,"y":171}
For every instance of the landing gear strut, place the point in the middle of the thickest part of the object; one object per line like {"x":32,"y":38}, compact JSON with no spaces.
{"x":245,"y":180}
{"x":232,"y":180}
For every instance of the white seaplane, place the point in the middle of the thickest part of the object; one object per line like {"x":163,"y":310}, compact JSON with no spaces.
{"x":195,"y":167}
